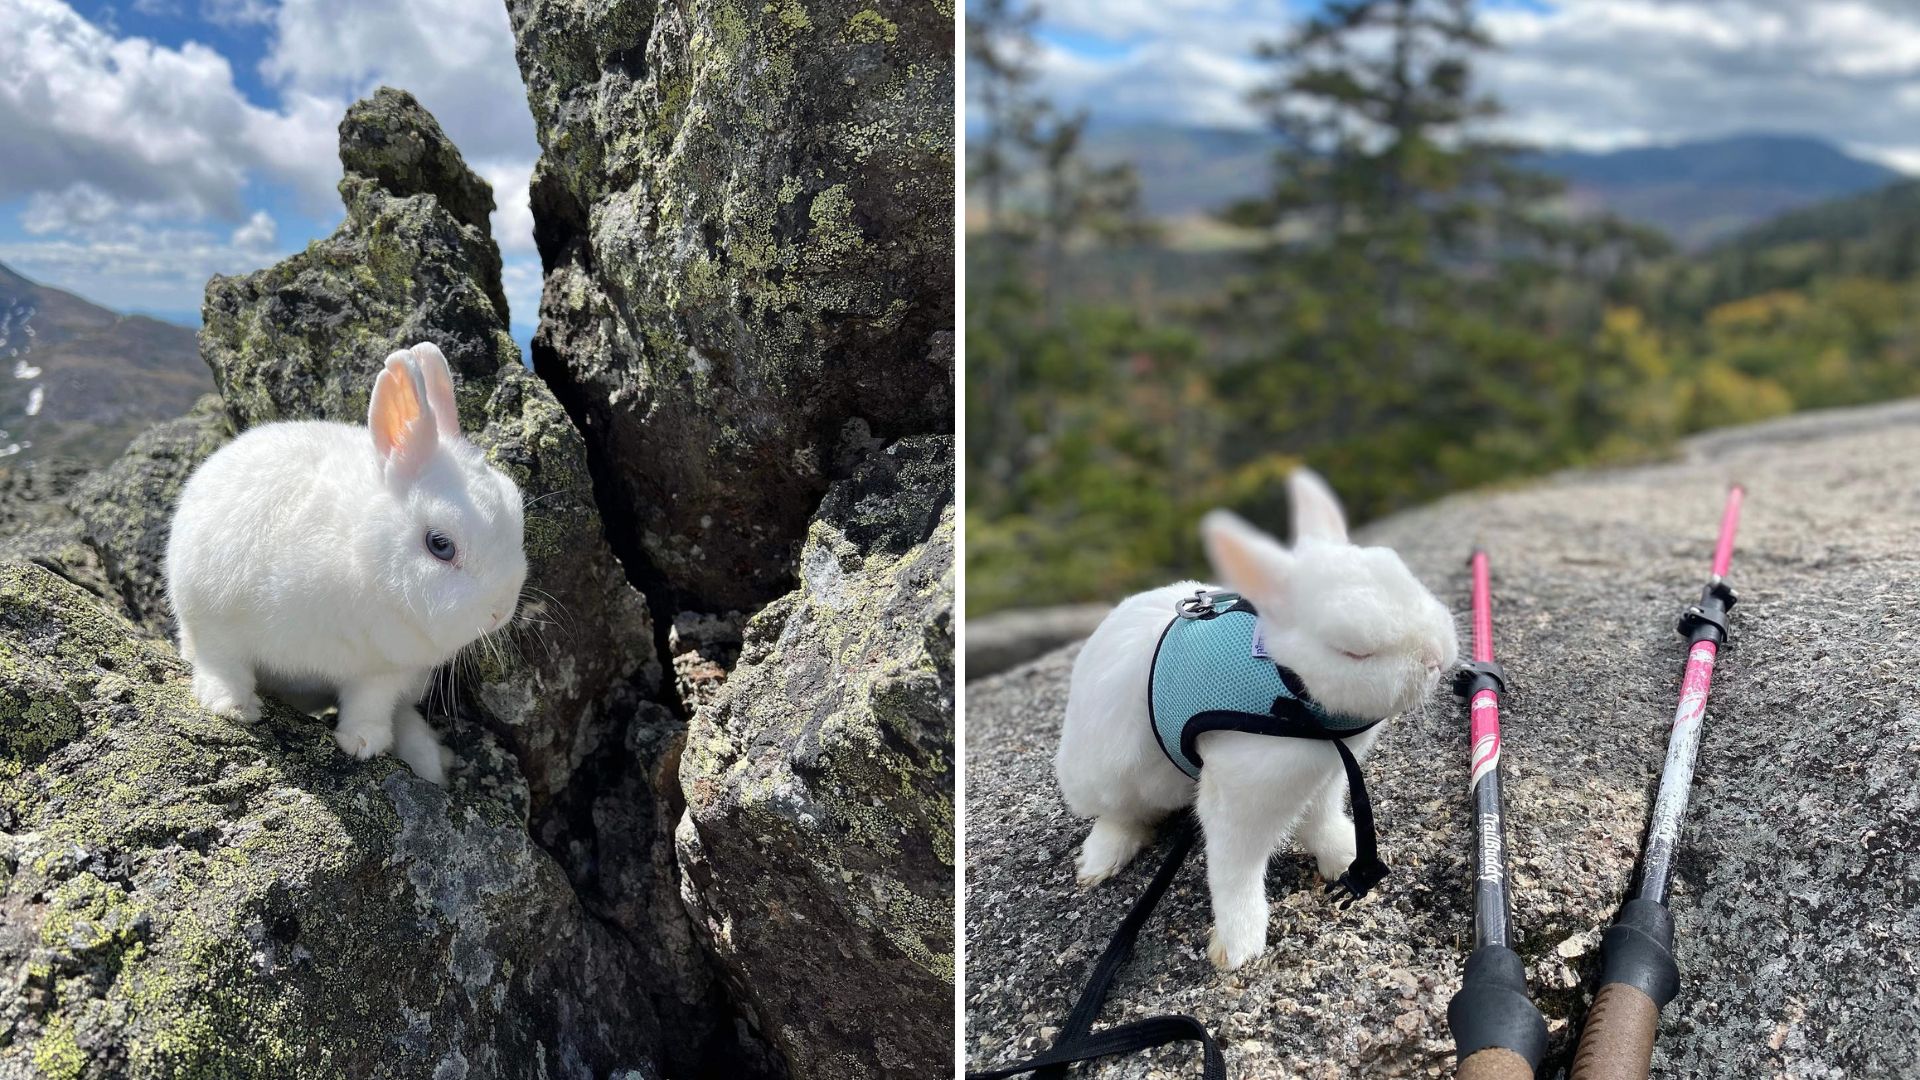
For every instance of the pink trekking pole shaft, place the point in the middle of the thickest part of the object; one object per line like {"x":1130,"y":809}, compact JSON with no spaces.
{"x":1637,"y":973}
{"x":1498,"y":1033}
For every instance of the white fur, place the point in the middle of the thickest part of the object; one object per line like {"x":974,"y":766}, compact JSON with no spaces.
{"x":297,"y":563}
{"x":1318,"y":601}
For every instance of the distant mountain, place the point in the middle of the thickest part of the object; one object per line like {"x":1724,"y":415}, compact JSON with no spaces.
{"x":1186,"y":170}
{"x":1702,"y":191}
{"x":1873,"y":236}
{"x":78,"y":381}
{"x":1695,"y":191}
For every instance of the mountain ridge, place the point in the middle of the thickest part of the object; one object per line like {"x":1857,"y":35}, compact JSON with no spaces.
{"x":1698,"y":191}
{"x":79,"y":380}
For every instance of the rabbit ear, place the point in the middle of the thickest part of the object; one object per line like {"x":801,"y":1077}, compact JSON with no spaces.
{"x":1248,"y":561}
{"x":1316,"y":513}
{"x":404,"y":435}
{"x":439,"y":379}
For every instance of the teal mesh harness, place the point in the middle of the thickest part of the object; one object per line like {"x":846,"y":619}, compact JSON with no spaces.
{"x":1210,"y":674}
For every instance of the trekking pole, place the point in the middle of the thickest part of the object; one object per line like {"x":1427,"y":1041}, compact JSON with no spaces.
{"x":1497,"y":1032}
{"x":1637,"y":973}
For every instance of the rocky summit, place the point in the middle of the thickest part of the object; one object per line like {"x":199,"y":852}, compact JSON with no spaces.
{"x":744,"y":869}
{"x":183,"y":895}
{"x":1795,"y":901}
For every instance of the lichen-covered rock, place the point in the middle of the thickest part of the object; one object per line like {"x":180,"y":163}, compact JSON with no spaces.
{"x":183,"y":895}
{"x":38,"y":526}
{"x":302,"y":339}
{"x":817,"y":846}
{"x":34,"y":494}
{"x":1795,"y":897}
{"x":125,"y":508}
{"x":413,"y":262}
{"x":745,"y":211}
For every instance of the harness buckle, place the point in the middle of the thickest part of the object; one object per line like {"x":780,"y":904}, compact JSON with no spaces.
{"x":1204,"y":602}
{"x":1358,"y":881}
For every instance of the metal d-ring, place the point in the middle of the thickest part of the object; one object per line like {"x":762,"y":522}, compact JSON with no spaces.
{"x":1204,"y":602}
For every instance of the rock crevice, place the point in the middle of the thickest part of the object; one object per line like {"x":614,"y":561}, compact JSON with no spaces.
{"x":588,"y":897}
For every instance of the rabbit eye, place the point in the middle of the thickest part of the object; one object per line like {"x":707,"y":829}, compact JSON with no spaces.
{"x":1356,"y":655}
{"x":440,"y":545}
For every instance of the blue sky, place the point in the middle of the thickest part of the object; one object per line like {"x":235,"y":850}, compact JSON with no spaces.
{"x":1595,"y":74}
{"x":152,"y":143}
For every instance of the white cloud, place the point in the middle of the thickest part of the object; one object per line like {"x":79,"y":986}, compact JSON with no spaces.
{"x":1596,"y":74}
{"x":131,"y":266}
{"x":126,"y":151}
{"x":1165,"y":81}
{"x":513,"y":214}
{"x":143,"y":123}
{"x":1181,"y":61}
{"x":258,"y":234}
{"x":520,"y":279}
{"x":236,"y":12}
{"x":456,"y":56}
{"x":1602,"y":73}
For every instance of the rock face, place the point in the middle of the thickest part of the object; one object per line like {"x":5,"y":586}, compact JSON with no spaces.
{"x":302,"y":340}
{"x":124,"y":509}
{"x":413,"y":262}
{"x":766,"y":253}
{"x":817,"y":846}
{"x":1797,"y":875}
{"x":182,"y":895}
{"x":107,"y":531}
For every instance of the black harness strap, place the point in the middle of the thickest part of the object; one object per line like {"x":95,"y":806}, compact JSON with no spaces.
{"x":1291,"y":720}
{"x":1078,"y":1042}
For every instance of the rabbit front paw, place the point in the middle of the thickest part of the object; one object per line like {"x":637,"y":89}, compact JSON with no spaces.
{"x":415,"y":743}
{"x":364,"y":740}
{"x":222,"y":698}
{"x":1335,"y":853}
{"x":1111,"y":845}
{"x":1230,"y":949}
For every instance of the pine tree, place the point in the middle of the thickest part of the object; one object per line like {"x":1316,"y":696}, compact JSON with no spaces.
{"x":1384,"y":166}
{"x":1000,"y":75}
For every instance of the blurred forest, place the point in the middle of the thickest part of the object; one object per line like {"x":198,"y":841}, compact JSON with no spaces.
{"x":1404,"y":309}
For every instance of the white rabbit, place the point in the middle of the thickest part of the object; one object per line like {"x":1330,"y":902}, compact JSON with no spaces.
{"x":1362,"y":634}
{"x":330,"y":563}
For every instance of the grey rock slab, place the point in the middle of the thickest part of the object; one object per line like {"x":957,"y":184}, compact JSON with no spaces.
{"x":1799,"y":868}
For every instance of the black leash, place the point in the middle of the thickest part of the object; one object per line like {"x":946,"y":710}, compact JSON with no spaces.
{"x":1290,"y":720}
{"x":1078,"y":1042}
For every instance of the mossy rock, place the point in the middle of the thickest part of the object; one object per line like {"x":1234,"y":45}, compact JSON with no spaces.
{"x":746,"y":214}
{"x":187,"y":896}
{"x":126,"y":507}
{"x":818,"y":842}
{"x":412,"y":262}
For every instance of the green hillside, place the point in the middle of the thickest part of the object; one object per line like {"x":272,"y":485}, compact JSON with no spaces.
{"x":1168,"y":381}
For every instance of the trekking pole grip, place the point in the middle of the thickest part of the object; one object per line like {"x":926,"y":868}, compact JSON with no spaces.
{"x":1497,"y":1032}
{"x":1495,"y":1063}
{"x":1637,"y":979}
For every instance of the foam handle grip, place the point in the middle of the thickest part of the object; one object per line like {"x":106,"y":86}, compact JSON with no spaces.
{"x":1618,"y":1041}
{"x":1495,"y":1063}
